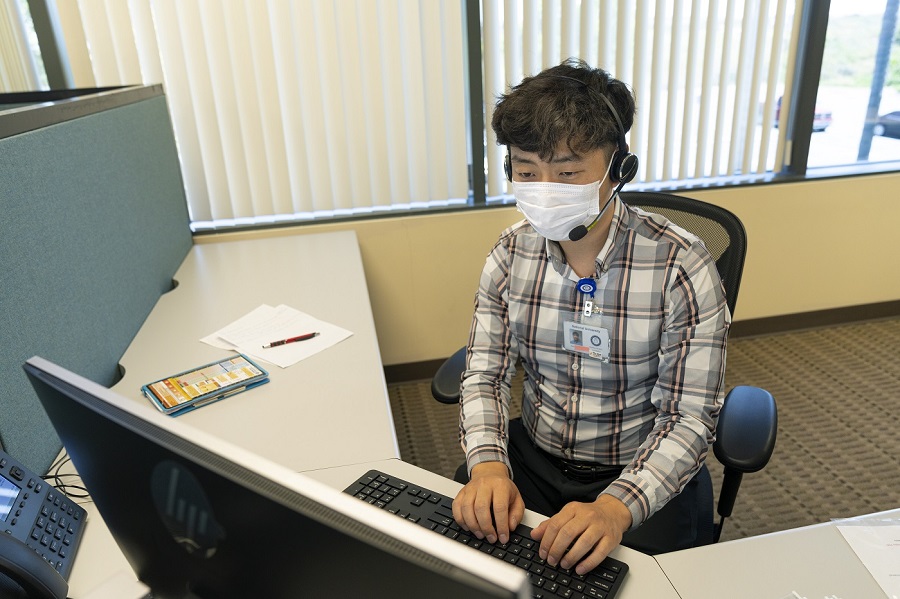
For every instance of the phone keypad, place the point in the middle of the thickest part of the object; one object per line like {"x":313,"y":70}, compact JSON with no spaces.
{"x":56,"y":528}
{"x":42,"y":517}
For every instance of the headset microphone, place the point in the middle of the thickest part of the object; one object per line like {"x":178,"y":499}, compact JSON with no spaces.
{"x":581,"y":230}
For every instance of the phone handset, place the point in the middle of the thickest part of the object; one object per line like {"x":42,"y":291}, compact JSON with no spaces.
{"x":29,"y":570}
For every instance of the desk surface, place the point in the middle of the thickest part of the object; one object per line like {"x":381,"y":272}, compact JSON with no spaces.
{"x":813,"y":561}
{"x":303,"y":417}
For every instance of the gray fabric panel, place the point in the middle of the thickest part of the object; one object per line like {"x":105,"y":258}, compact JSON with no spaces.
{"x":93,"y":225}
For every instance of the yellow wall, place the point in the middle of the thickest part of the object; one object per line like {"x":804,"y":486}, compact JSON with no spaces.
{"x":811,"y":246}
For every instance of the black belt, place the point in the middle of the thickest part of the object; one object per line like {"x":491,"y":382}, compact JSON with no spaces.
{"x":582,"y":472}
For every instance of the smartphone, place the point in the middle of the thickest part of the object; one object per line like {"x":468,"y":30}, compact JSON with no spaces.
{"x":204,"y":385}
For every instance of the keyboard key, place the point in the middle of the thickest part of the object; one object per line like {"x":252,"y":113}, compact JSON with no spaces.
{"x":594,"y":593}
{"x":442,"y":520}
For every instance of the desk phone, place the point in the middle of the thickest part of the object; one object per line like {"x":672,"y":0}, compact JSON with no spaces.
{"x":40,"y":531}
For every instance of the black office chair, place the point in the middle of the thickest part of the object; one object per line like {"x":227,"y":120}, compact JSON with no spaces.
{"x":748,"y":421}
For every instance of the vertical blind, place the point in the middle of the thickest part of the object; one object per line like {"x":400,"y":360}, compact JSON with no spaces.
{"x":291,"y":110}
{"x":294,"y":110}
{"x":705,"y":73}
{"x":18,"y":72}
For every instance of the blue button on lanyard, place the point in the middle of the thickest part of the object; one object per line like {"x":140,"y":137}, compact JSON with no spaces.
{"x":587,"y":286}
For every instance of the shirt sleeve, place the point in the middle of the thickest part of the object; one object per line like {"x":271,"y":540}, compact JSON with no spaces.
{"x":689,"y":390}
{"x":490,"y":367}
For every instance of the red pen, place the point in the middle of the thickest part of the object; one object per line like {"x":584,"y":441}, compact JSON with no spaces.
{"x":290,"y":340}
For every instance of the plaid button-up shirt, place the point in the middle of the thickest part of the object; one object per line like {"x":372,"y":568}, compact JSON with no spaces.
{"x":653,"y":406}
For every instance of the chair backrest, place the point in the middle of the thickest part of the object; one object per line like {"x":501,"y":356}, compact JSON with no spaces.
{"x":721,"y":231}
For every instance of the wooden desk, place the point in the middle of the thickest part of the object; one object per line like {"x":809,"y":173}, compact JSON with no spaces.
{"x":814,"y":561}
{"x":330,"y":409}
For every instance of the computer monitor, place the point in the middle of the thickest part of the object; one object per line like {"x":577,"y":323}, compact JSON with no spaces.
{"x":198,"y":517}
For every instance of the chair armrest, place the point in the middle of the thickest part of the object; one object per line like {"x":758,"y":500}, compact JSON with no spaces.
{"x":745,"y":440}
{"x":748,"y":425}
{"x":445,"y":384}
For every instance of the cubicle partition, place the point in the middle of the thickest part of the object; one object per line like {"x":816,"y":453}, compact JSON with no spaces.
{"x":93,"y":226}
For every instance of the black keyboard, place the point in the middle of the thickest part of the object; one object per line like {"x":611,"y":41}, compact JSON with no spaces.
{"x":434,"y":511}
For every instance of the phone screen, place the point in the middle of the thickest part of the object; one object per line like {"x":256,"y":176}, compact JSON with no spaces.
{"x":208,"y":380}
{"x":8,"y":494}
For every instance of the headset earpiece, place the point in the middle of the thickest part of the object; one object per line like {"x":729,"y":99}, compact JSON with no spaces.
{"x":624,"y":166}
{"x":507,"y":165}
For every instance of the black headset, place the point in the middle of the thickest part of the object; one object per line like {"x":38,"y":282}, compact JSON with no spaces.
{"x":623,"y":164}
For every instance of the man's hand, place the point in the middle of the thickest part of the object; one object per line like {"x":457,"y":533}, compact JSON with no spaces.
{"x":490,"y":504}
{"x":583,"y":530}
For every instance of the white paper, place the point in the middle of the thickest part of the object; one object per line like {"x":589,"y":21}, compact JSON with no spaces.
{"x":266,"y":324}
{"x":878,"y":548}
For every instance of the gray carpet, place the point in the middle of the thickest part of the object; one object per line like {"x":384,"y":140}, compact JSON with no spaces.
{"x":838,"y":448}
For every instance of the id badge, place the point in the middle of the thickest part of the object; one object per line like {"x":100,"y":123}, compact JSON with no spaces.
{"x":583,"y":338}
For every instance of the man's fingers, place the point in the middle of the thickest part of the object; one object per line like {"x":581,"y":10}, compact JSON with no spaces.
{"x":464,"y":512}
{"x":501,"y":518}
{"x":576,"y":536}
{"x":457,"y":507}
{"x":550,"y":537}
{"x":516,"y":512}
{"x":485,"y":520}
{"x":595,"y":557}
{"x":562,"y":541}
{"x":537,"y":533}
{"x":585,"y":542}
{"x":489,"y":507}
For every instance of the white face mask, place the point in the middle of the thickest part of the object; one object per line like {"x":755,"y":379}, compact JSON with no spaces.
{"x":554,"y":209}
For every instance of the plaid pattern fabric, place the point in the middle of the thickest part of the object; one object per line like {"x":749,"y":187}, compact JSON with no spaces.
{"x":653,"y":406}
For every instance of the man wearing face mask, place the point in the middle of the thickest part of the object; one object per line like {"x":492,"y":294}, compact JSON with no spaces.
{"x":618,"y":319}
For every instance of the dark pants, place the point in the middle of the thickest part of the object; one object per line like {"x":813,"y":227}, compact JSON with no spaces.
{"x":545,"y":489}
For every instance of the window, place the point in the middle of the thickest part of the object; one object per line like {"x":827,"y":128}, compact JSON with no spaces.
{"x":704,"y":74}
{"x":858,"y":105}
{"x":21,"y":67}
{"x":287,"y":111}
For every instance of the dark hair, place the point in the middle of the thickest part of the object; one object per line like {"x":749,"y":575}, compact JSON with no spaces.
{"x":550,"y":108}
